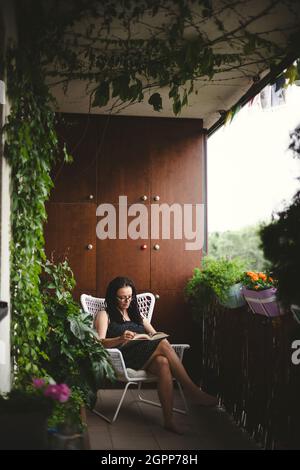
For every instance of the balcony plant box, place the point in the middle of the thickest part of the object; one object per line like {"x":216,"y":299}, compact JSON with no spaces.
{"x":23,"y":421}
{"x":235,"y":298}
{"x":263,"y":302}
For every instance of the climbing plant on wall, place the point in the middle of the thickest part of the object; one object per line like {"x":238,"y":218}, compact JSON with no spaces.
{"x":31,"y":148}
{"x":125,"y":51}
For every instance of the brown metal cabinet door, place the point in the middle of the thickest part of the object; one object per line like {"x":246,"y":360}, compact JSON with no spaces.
{"x":71,"y":230}
{"x":177,"y":146}
{"x":123,"y":167}
{"x":130,"y":258}
{"x":124,"y":170}
{"x":172,"y":265}
{"x":76,"y":182}
{"x":173,"y":315}
{"x":177,"y":167}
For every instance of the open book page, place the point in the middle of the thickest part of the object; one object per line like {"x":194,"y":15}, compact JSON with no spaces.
{"x":157,"y":335}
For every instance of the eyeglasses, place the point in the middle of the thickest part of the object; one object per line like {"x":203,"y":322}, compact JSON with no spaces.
{"x":124,"y":298}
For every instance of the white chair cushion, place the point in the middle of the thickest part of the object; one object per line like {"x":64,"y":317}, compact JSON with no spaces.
{"x":138,"y":375}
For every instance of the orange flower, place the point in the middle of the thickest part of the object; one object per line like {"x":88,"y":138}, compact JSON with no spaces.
{"x":257,"y":280}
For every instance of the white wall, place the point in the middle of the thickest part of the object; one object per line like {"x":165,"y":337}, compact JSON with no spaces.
{"x":8,"y":24}
{"x":5,"y":364}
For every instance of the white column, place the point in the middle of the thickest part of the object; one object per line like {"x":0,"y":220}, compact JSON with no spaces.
{"x":8,"y":33}
{"x":5,"y":363}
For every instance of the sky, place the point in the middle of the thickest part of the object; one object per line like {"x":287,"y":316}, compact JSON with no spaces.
{"x":250,"y":171}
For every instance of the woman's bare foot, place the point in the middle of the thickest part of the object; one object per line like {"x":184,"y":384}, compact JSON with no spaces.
{"x":198,"y":397}
{"x":173,"y":428}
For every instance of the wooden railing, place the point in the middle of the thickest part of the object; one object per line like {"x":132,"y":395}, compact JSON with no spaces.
{"x":247,"y":362}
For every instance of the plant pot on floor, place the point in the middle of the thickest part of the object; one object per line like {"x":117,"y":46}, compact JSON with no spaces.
{"x":23,"y":430}
{"x":263,"y":302}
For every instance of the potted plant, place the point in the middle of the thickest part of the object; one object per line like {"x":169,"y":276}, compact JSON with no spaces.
{"x":259,"y":290}
{"x":74,"y":353}
{"x":24,"y":414}
{"x":218,"y":278}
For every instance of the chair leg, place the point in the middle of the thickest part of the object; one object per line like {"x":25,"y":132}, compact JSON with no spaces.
{"x":154,"y":403}
{"x":183,"y":397}
{"x":111,"y":421}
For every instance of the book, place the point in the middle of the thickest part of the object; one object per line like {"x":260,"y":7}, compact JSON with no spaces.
{"x":157,"y":335}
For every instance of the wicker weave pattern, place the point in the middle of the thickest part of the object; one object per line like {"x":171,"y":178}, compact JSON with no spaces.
{"x":93,"y":305}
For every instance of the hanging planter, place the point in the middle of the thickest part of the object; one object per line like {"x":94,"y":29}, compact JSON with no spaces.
{"x":263,"y":302}
{"x":235,"y":298}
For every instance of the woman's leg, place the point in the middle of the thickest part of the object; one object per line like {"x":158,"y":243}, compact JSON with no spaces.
{"x":160,"y":366}
{"x":193,"y":392}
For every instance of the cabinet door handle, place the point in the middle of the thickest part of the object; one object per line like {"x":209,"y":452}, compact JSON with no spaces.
{"x":157,"y":296}
{"x":90,"y":246}
{"x":143,"y":247}
{"x":91,"y":196}
{"x":156,"y":198}
{"x":156,"y":247}
{"x":144,"y":197}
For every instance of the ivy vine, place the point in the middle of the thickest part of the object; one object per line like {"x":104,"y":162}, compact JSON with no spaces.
{"x":31,"y":149}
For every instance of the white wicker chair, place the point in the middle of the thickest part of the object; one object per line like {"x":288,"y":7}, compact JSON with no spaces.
{"x":128,"y":376}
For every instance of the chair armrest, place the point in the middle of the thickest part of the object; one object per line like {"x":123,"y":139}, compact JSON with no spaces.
{"x":179,"y":349}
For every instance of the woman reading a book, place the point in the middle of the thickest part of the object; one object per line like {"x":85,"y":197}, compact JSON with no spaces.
{"x":120,"y":325}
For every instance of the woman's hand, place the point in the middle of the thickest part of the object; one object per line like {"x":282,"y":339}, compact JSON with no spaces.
{"x":126,"y":336}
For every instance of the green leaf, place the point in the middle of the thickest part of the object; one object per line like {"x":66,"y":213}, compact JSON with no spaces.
{"x":101,"y":95}
{"x":121,"y":87}
{"x":156,"y":101}
{"x":176,"y":107}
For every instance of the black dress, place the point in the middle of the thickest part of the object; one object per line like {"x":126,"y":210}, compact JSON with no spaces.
{"x":135,"y":353}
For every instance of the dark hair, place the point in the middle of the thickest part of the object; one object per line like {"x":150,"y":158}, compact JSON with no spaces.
{"x":112,"y":302}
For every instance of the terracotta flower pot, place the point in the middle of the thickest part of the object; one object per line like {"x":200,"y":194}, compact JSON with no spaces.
{"x":263,"y":302}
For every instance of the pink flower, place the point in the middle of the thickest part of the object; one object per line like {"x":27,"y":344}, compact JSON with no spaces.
{"x":60,"y":392}
{"x":52,"y":391}
{"x":38,"y":383}
{"x":64,"y":393}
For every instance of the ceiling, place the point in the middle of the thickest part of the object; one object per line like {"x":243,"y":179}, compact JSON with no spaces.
{"x":227,"y":87}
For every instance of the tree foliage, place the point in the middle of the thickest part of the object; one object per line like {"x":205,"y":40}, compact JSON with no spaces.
{"x":281,"y":242}
{"x":244,"y":243}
